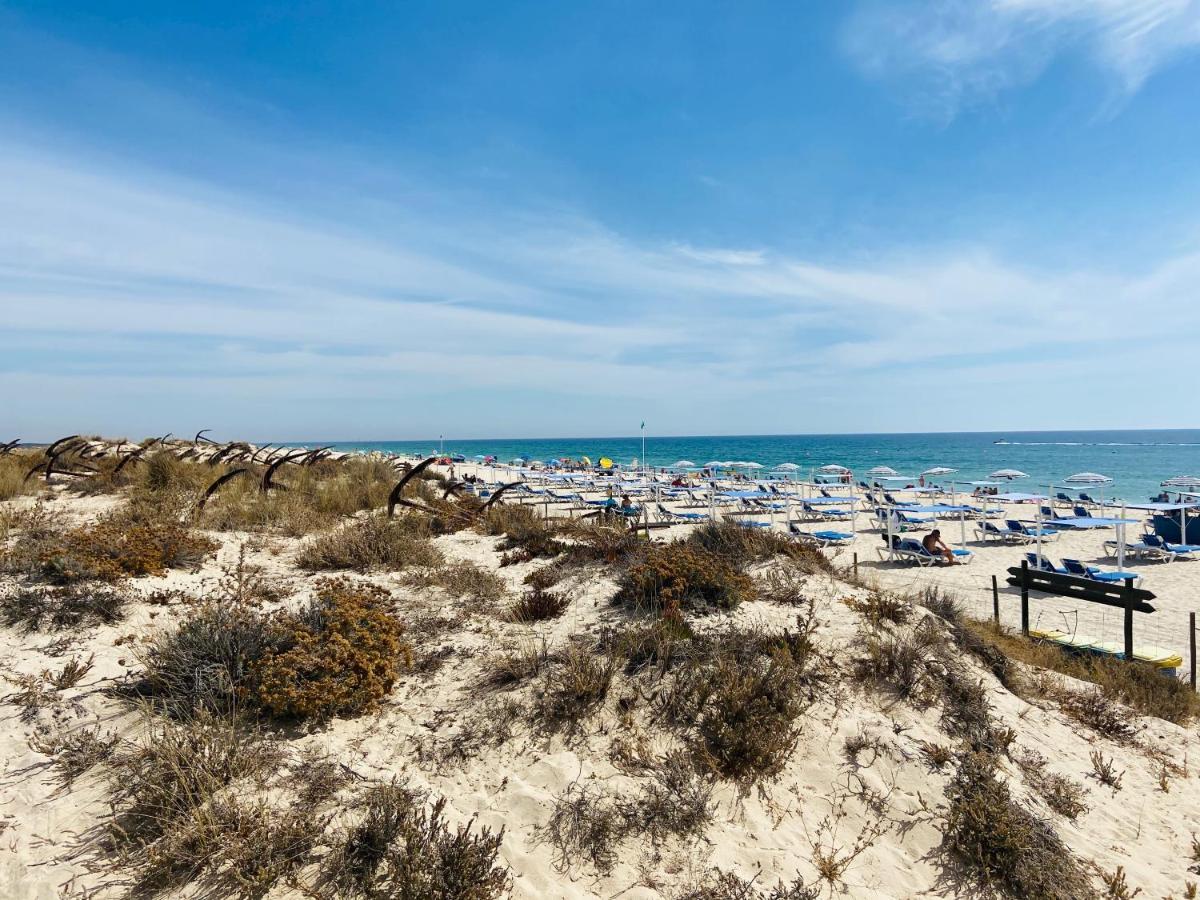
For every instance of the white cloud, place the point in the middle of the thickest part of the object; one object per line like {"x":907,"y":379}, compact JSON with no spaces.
{"x":964,"y":50}
{"x":128,"y":296}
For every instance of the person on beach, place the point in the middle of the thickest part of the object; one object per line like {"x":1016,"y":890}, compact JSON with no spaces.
{"x":934,"y":545}
{"x":626,"y":503}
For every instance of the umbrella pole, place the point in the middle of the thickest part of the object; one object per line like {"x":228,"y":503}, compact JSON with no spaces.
{"x":1041,"y":563}
{"x":1121,"y":541}
{"x":888,"y":519}
{"x":962,"y":527}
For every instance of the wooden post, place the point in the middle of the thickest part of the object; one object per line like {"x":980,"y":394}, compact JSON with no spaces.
{"x":1129,"y":601}
{"x":1025,"y":597}
{"x":995,"y":602}
{"x":1192,"y":645}
{"x":856,"y":567}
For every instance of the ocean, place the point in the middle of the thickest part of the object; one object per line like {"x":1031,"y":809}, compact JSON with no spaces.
{"x":1137,"y":461}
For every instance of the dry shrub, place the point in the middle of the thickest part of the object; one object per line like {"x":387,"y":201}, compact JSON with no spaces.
{"x":601,"y":542}
{"x":1137,"y":685}
{"x":36,"y":607}
{"x":463,"y":579}
{"x":545,"y":577}
{"x":370,"y":542}
{"x":880,"y":606}
{"x":166,"y":790}
{"x":74,"y":751}
{"x":677,"y":801}
{"x":514,"y":666}
{"x":719,"y":885}
{"x":654,"y":643}
{"x":317,"y":496}
{"x":135,"y":541}
{"x":402,"y":851}
{"x":337,"y":656}
{"x":340,"y":657}
{"x":1105,"y":772}
{"x":537,"y":606}
{"x":204,"y":662}
{"x":576,"y":683}
{"x":13,"y":470}
{"x":740,"y":694}
{"x":909,"y":664}
{"x":524,"y":531}
{"x":1002,"y":846}
{"x":740,"y":545}
{"x":1095,"y":710}
{"x":586,"y":826}
{"x":784,"y":584}
{"x":679,"y":575}
{"x":1061,"y":794}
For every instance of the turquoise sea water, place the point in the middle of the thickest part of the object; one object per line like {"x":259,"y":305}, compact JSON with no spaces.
{"x":1136,"y":460}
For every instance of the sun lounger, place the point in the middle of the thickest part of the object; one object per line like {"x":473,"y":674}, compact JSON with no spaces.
{"x":989,"y":530}
{"x":822,"y":538}
{"x":1181,"y":551}
{"x":669,"y":515}
{"x":1046,"y":565}
{"x":909,"y":550}
{"x":1075,"y":567}
{"x":1019,"y":529}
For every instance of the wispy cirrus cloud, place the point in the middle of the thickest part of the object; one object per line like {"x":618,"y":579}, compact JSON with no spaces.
{"x":131,"y":297}
{"x":956,"y":52}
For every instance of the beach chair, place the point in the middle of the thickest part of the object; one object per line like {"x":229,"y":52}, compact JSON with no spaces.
{"x":821,"y":538}
{"x":1082,"y":512}
{"x":1174,"y":551}
{"x":1141,"y":549}
{"x":668,"y":515}
{"x":989,"y":530}
{"x":1020,"y":529}
{"x":824,"y":513}
{"x":914,"y":522}
{"x":1075,"y":567}
{"x":909,"y":550}
{"x":1045,"y":566}
{"x":1086,"y":498}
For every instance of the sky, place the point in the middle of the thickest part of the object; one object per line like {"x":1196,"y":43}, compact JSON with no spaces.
{"x":369,"y":221}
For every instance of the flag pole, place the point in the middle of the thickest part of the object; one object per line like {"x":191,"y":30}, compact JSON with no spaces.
{"x":643,"y":448}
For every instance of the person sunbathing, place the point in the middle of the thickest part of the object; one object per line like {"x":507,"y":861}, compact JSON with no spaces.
{"x":934,"y":546}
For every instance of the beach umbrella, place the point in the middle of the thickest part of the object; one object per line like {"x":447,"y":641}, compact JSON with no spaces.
{"x":1087,"y":478}
{"x":1008,"y":474}
{"x":1192,"y":482}
{"x":833,"y":470}
{"x":883,"y":471}
{"x":749,"y":465}
{"x":517,"y":462}
{"x":684,"y":464}
{"x":939,"y":470}
{"x":787,"y":467}
{"x":715,"y":464}
{"x":605,"y":462}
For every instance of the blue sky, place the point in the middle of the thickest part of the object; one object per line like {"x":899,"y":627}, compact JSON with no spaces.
{"x":380,"y":220}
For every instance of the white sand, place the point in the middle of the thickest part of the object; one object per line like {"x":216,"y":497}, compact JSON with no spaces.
{"x":811,"y":808}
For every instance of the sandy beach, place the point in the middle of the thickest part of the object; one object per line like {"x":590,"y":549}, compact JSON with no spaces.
{"x":857,"y":807}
